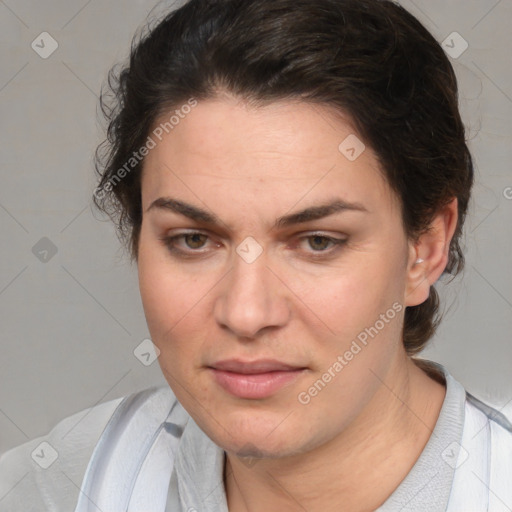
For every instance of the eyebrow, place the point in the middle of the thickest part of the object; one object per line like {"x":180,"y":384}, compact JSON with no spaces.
{"x":306,"y":215}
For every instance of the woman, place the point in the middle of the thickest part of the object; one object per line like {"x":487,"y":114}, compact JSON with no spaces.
{"x":292,"y":178}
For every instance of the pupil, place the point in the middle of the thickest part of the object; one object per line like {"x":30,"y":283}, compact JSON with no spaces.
{"x":195,"y":241}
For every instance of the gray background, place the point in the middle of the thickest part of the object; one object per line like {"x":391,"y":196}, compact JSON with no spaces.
{"x":70,"y":324}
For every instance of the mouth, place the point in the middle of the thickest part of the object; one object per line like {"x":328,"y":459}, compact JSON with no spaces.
{"x":256,"y":379}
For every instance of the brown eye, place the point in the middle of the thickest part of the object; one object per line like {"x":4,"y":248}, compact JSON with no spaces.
{"x":187,"y":245}
{"x":195,"y":240}
{"x":319,"y":243}
{"x":321,"y":246}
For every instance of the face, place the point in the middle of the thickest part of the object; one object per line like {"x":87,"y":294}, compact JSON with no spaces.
{"x":229,"y":272}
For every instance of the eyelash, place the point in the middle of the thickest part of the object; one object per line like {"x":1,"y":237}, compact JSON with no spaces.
{"x":169,"y":243}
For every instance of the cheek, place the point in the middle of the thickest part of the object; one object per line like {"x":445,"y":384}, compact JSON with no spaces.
{"x":153,"y":289}
{"x":159,"y":289}
{"x":175,"y":305}
{"x":363,"y":312}
{"x":349,"y":299}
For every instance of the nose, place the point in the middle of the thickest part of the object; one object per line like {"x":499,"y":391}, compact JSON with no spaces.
{"x":251,"y":298}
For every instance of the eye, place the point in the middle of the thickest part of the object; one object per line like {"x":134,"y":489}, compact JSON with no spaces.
{"x":193,"y":242}
{"x":196,"y":239}
{"x":318,"y":242}
{"x":323,"y":245}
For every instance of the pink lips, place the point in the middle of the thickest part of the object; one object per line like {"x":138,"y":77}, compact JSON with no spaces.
{"x":256,"y":379}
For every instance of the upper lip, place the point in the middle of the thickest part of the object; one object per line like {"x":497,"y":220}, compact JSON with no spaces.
{"x":252,"y":367}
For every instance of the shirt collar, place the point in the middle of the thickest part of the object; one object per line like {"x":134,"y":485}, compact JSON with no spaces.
{"x":427,"y":486}
{"x":200,"y":471}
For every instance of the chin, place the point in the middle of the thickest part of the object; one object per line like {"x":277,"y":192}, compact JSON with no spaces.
{"x":252,"y":448}
{"x":255,"y":435}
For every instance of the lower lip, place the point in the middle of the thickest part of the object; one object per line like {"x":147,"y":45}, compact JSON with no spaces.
{"x":258,"y":385}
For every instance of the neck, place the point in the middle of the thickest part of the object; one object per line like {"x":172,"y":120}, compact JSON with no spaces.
{"x":357,"y":470}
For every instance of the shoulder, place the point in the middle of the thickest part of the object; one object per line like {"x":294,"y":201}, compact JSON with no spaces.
{"x":483,"y":471}
{"x":492,"y":422}
{"x":46,"y":473}
{"x":491,"y":413}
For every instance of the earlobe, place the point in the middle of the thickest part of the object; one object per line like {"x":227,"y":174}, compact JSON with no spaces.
{"x":428,"y":255}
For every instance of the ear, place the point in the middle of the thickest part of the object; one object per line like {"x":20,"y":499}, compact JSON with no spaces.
{"x":432,"y":250}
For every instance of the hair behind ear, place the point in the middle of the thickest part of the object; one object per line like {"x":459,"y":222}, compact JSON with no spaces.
{"x":421,"y":322}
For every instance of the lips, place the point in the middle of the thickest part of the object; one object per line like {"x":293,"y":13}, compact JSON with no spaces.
{"x":253,"y":367}
{"x":255,"y":379}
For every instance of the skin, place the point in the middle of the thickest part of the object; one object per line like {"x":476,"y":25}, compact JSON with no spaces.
{"x":354,"y":442}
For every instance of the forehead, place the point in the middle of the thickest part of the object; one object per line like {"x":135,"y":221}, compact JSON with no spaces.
{"x":283,"y":148}
{"x":227,"y":126}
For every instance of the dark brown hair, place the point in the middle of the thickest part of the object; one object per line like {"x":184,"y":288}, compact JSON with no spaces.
{"x":370,"y":59}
